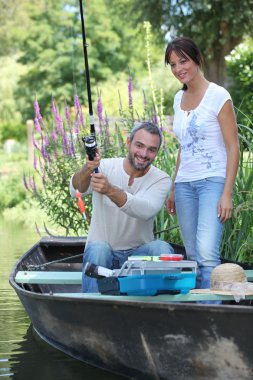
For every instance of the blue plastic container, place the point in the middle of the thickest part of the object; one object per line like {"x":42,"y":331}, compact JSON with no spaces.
{"x":153,"y":284}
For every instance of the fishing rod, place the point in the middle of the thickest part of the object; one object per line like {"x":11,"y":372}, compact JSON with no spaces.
{"x":89,"y":141}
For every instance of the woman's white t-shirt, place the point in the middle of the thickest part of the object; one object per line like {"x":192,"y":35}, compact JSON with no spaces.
{"x":203,"y":153}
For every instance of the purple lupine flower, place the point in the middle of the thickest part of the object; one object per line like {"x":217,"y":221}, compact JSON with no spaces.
{"x":35,"y":161}
{"x":64,"y":149}
{"x":41,"y":167}
{"x":54,"y":109}
{"x":145,"y":102}
{"x":53,"y":135}
{"x":155,"y":118}
{"x":78,"y":107}
{"x":31,"y":183}
{"x":37,"y":110}
{"x":77,"y":127}
{"x":77,"y":104}
{"x":65,"y":143}
{"x":25,"y":183}
{"x":37,"y":124}
{"x":43,"y":152}
{"x":72,"y":148}
{"x":130,"y":90}
{"x":45,"y":140}
{"x":72,"y":145}
{"x":57,"y":117}
{"x":59,"y":124}
{"x":34,"y":142}
{"x":100,"y":109}
{"x":67,"y":114}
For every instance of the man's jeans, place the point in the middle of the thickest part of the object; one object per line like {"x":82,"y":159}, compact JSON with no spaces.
{"x":101,"y":253}
{"x":196,"y":206}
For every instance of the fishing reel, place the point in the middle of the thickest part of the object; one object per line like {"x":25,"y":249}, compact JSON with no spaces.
{"x":90,"y":145}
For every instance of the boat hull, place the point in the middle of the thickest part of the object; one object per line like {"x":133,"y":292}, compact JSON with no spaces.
{"x":142,"y":340}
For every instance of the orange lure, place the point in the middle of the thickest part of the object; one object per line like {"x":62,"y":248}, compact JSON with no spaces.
{"x":81,"y":204}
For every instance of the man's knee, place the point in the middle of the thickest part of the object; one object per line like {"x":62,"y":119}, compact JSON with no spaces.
{"x":159,"y":247}
{"x":99,"y":253}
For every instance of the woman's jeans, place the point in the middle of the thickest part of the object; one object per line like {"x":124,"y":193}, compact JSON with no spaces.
{"x":196,"y":207}
{"x":101,"y":253}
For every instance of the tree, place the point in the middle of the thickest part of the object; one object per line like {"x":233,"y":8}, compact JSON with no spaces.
{"x":12,"y":19}
{"x":217,"y":26}
{"x":52,"y":50}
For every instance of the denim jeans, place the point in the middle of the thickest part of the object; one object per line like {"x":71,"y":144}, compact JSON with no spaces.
{"x":196,"y":206}
{"x":101,"y":253}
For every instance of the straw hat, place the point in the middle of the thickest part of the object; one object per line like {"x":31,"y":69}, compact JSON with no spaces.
{"x":228,"y":279}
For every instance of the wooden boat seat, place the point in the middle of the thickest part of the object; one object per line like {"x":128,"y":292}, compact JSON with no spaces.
{"x":75,"y":278}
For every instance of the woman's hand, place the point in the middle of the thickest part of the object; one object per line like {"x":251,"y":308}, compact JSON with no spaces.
{"x":170,"y":203}
{"x":225,"y":208}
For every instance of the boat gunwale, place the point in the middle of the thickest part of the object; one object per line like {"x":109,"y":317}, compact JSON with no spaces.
{"x":70,"y":241}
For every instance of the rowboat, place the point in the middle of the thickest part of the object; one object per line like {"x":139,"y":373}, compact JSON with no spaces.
{"x":162,"y":337}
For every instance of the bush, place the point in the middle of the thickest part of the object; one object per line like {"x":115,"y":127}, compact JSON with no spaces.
{"x":240,"y":69}
{"x":13,"y":131}
{"x":11,"y":193}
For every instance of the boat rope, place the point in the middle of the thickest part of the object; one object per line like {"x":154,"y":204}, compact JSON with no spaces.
{"x":44,"y":265}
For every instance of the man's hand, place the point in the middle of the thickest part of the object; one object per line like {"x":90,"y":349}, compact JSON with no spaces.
{"x":91,"y":165}
{"x":81,"y":179}
{"x":100,"y":183}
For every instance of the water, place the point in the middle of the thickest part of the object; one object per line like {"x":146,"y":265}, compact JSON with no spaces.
{"x":23,"y":355}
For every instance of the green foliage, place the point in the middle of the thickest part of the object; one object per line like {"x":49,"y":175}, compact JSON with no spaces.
{"x":11,"y":194}
{"x":10,"y":72}
{"x":217,"y":26}
{"x":237,"y":236}
{"x":240,"y":68}
{"x":54,"y":197}
{"x":52,"y":51}
{"x":13,"y":131}
{"x":13,"y":20}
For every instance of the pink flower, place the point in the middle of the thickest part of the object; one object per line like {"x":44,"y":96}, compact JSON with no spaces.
{"x":37,"y":125}
{"x":37,"y":110}
{"x":100,"y":109}
{"x":54,"y":110}
{"x":130,"y":89}
{"x":53,"y":135}
{"x":34,"y":161}
{"x":34,"y":142}
{"x":67,"y":114}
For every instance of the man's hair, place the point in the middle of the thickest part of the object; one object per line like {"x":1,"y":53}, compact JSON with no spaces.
{"x":147,"y":126}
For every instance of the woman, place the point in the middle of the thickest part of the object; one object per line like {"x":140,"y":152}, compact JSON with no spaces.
{"x":207,"y":162}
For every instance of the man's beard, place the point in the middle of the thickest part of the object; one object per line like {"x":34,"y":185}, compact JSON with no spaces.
{"x":138,"y":166}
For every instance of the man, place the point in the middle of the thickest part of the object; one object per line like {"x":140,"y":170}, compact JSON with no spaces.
{"x":127,"y":194}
